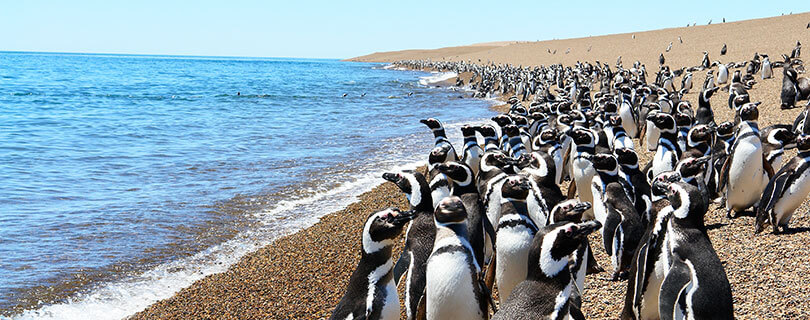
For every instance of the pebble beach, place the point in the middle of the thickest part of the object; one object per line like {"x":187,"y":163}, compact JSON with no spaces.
{"x":303,"y":275}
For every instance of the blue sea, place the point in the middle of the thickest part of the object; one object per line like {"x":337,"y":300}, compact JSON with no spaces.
{"x":124,"y":178}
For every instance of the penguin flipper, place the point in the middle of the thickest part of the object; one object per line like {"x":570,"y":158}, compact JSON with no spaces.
{"x":676,"y":281}
{"x":402,"y":265}
{"x":641,"y":274}
{"x":489,"y":229}
{"x":575,"y":313}
{"x":611,"y":225}
{"x":774,"y":190}
{"x":572,"y":189}
{"x":767,"y":166}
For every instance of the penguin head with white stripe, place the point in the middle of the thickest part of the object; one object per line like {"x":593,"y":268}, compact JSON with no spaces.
{"x":438,"y":154}
{"x":516,"y":187}
{"x":699,"y":134}
{"x":687,"y":202}
{"x":725,"y":130}
{"x":582,"y":137}
{"x":501,"y":120}
{"x":692,"y":168}
{"x":660,"y":183}
{"x":803,"y":143}
{"x":460,"y":173}
{"x":663,"y":121}
{"x":749,"y":112}
{"x":520,"y":121}
{"x":782,"y":137}
{"x":606,"y":163}
{"x":450,"y":211}
{"x":382,"y":228}
{"x":414,"y":185}
{"x":468,"y":131}
{"x":553,"y":245}
{"x":432,"y":123}
{"x":683,"y":120}
{"x":626,"y":157}
{"x":570,"y":210}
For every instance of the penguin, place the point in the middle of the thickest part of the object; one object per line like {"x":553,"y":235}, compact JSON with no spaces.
{"x":661,"y":59}
{"x":490,"y":137}
{"x":419,"y":236}
{"x":546,"y":292}
{"x":651,"y":132}
{"x":371,"y":293}
{"x":745,"y":170}
{"x":441,"y":137}
{"x":629,"y":170}
{"x":684,"y":123}
{"x":622,"y":230}
{"x":581,"y":260}
{"x":668,"y":151}
{"x":515,"y":231}
{"x":463,"y":186}
{"x":705,"y":63}
{"x":544,"y":193}
{"x":452,"y":289}
{"x":490,"y":180}
{"x":724,"y":49}
{"x":767,"y":69}
{"x":686,"y":83}
{"x":775,"y":139}
{"x":649,"y":265}
{"x":547,"y":142}
{"x":438,"y":182}
{"x":695,"y":285}
{"x":618,"y":137}
{"x":515,"y":146}
{"x":582,"y":168}
{"x":472,"y":150}
{"x":790,"y":89}
{"x":722,"y":73}
{"x":704,"y":113}
{"x":785,"y":191}
{"x":628,"y":114}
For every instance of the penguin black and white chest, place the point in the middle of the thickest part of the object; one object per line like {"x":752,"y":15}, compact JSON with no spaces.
{"x":618,"y":137}
{"x":628,"y":113}
{"x":695,"y":286}
{"x":649,"y":265}
{"x":515,"y":231}
{"x":490,"y":137}
{"x":790,"y":88}
{"x":515,"y":145}
{"x":629,"y":170}
{"x":545,"y":193}
{"x":786,"y":191}
{"x":438,"y":182}
{"x":704,"y":113}
{"x":684,"y":123}
{"x":582,"y":169}
{"x":472,"y":150}
{"x":419,"y":237}
{"x":441,"y":137}
{"x":607,"y":171}
{"x":489,"y":184}
{"x":767,"y":69}
{"x":546,"y":292}
{"x":453,"y":290}
{"x":744,"y":172}
{"x":463,"y":186}
{"x":372,"y":293}
{"x":686,"y":82}
{"x":547,"y":142}
{"x":502,"y":120}
{"x":722,"y":73}
{"x":668,"y":151}
{"x":775,"y":139}
{"x":571,"y":211}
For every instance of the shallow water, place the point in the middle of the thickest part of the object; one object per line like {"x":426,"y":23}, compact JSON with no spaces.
{"x":125,"y":178}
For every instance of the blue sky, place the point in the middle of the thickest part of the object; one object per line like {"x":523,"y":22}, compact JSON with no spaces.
{"x":337,"y":29}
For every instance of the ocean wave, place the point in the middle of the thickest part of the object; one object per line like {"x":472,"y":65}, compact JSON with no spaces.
{"x":436,"y":78}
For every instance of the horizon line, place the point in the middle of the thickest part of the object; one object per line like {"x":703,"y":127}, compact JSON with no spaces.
{"x":158,"y":55}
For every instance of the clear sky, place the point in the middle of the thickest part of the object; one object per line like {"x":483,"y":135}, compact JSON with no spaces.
{"x":338,"y":29}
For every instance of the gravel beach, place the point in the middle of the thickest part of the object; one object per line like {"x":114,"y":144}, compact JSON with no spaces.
{"x":303,"y":275}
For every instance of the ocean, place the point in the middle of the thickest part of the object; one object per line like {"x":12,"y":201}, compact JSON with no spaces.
{"x":125,"y":178}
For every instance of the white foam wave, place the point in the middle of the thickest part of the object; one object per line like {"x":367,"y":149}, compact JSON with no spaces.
{"x":436,"y":78}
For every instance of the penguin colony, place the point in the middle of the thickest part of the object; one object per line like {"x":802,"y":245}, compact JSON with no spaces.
{"x":492,"y":234}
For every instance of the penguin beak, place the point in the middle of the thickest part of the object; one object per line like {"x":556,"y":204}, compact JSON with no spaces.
{"x":582,"y":230}
{"x":424,"y":121}
{"x":661,"y":184}
{"x":401,"y":217}
{"x":443,"y":168}
{"x":524,"y":184}
{"x":393,"y":177}
{"x":582,"y":207}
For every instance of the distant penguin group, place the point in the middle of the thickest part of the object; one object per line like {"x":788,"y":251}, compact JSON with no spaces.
{"x":513,"y":210}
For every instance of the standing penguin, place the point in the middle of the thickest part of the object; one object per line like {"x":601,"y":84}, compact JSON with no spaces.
{"x":472,"y":150}
{"x":628,"y":162}
{"x":441,"y":137}
{"x":453,"y":290}
{"x":775,"y":139}
{"x":583,"y":171}
{"x":786,"y":190}
{"x":419,"y":237}
{"x":372,"y":293}
{"x":668,"y":151}
{"x":722,"y":73}
{"x":695,"y":286}
{"x":745,"y":170}
{"x":546,"y":292}
{"x":789,"y":88}
{"x":724,"y":49}
{"x":705,"y":63}
{"x":704,"y":113}
{"x":686,"y":82}
{"x":622,"y":229}
{"x":661,"y":59}
{"x":463,"y":186}
{"x":767,"y":69}
{"x":514,"y":235}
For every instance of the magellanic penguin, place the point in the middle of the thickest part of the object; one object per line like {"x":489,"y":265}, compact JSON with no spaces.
{"x":786,"y":190}
{"x":547,"y":142}
{"x":775,"y":139}
{"x":668,"y":151}
{"x":695,"y":286}
{"x":629,"y":170}
{"x":582,"y":168}
{"x":453,"y":289}
{"x":438,"y":182}
{"x":622,"y":229}
{"x":704,"y":113}
{"x":472,"y":150}
{"x":546,"y":292}
{"x":515,"y":231}
{"x":790,"y":89}
{"x":372,"y":293}
{"x":571,"y":211}
{"x":545,"y":193}
{"x":490,"y":180}
{"x":419,"y":236}
{"x":441,"y":137}
{"x":767,"y":69}
{"x":463,"y":186}
{"x":745,"y":171}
